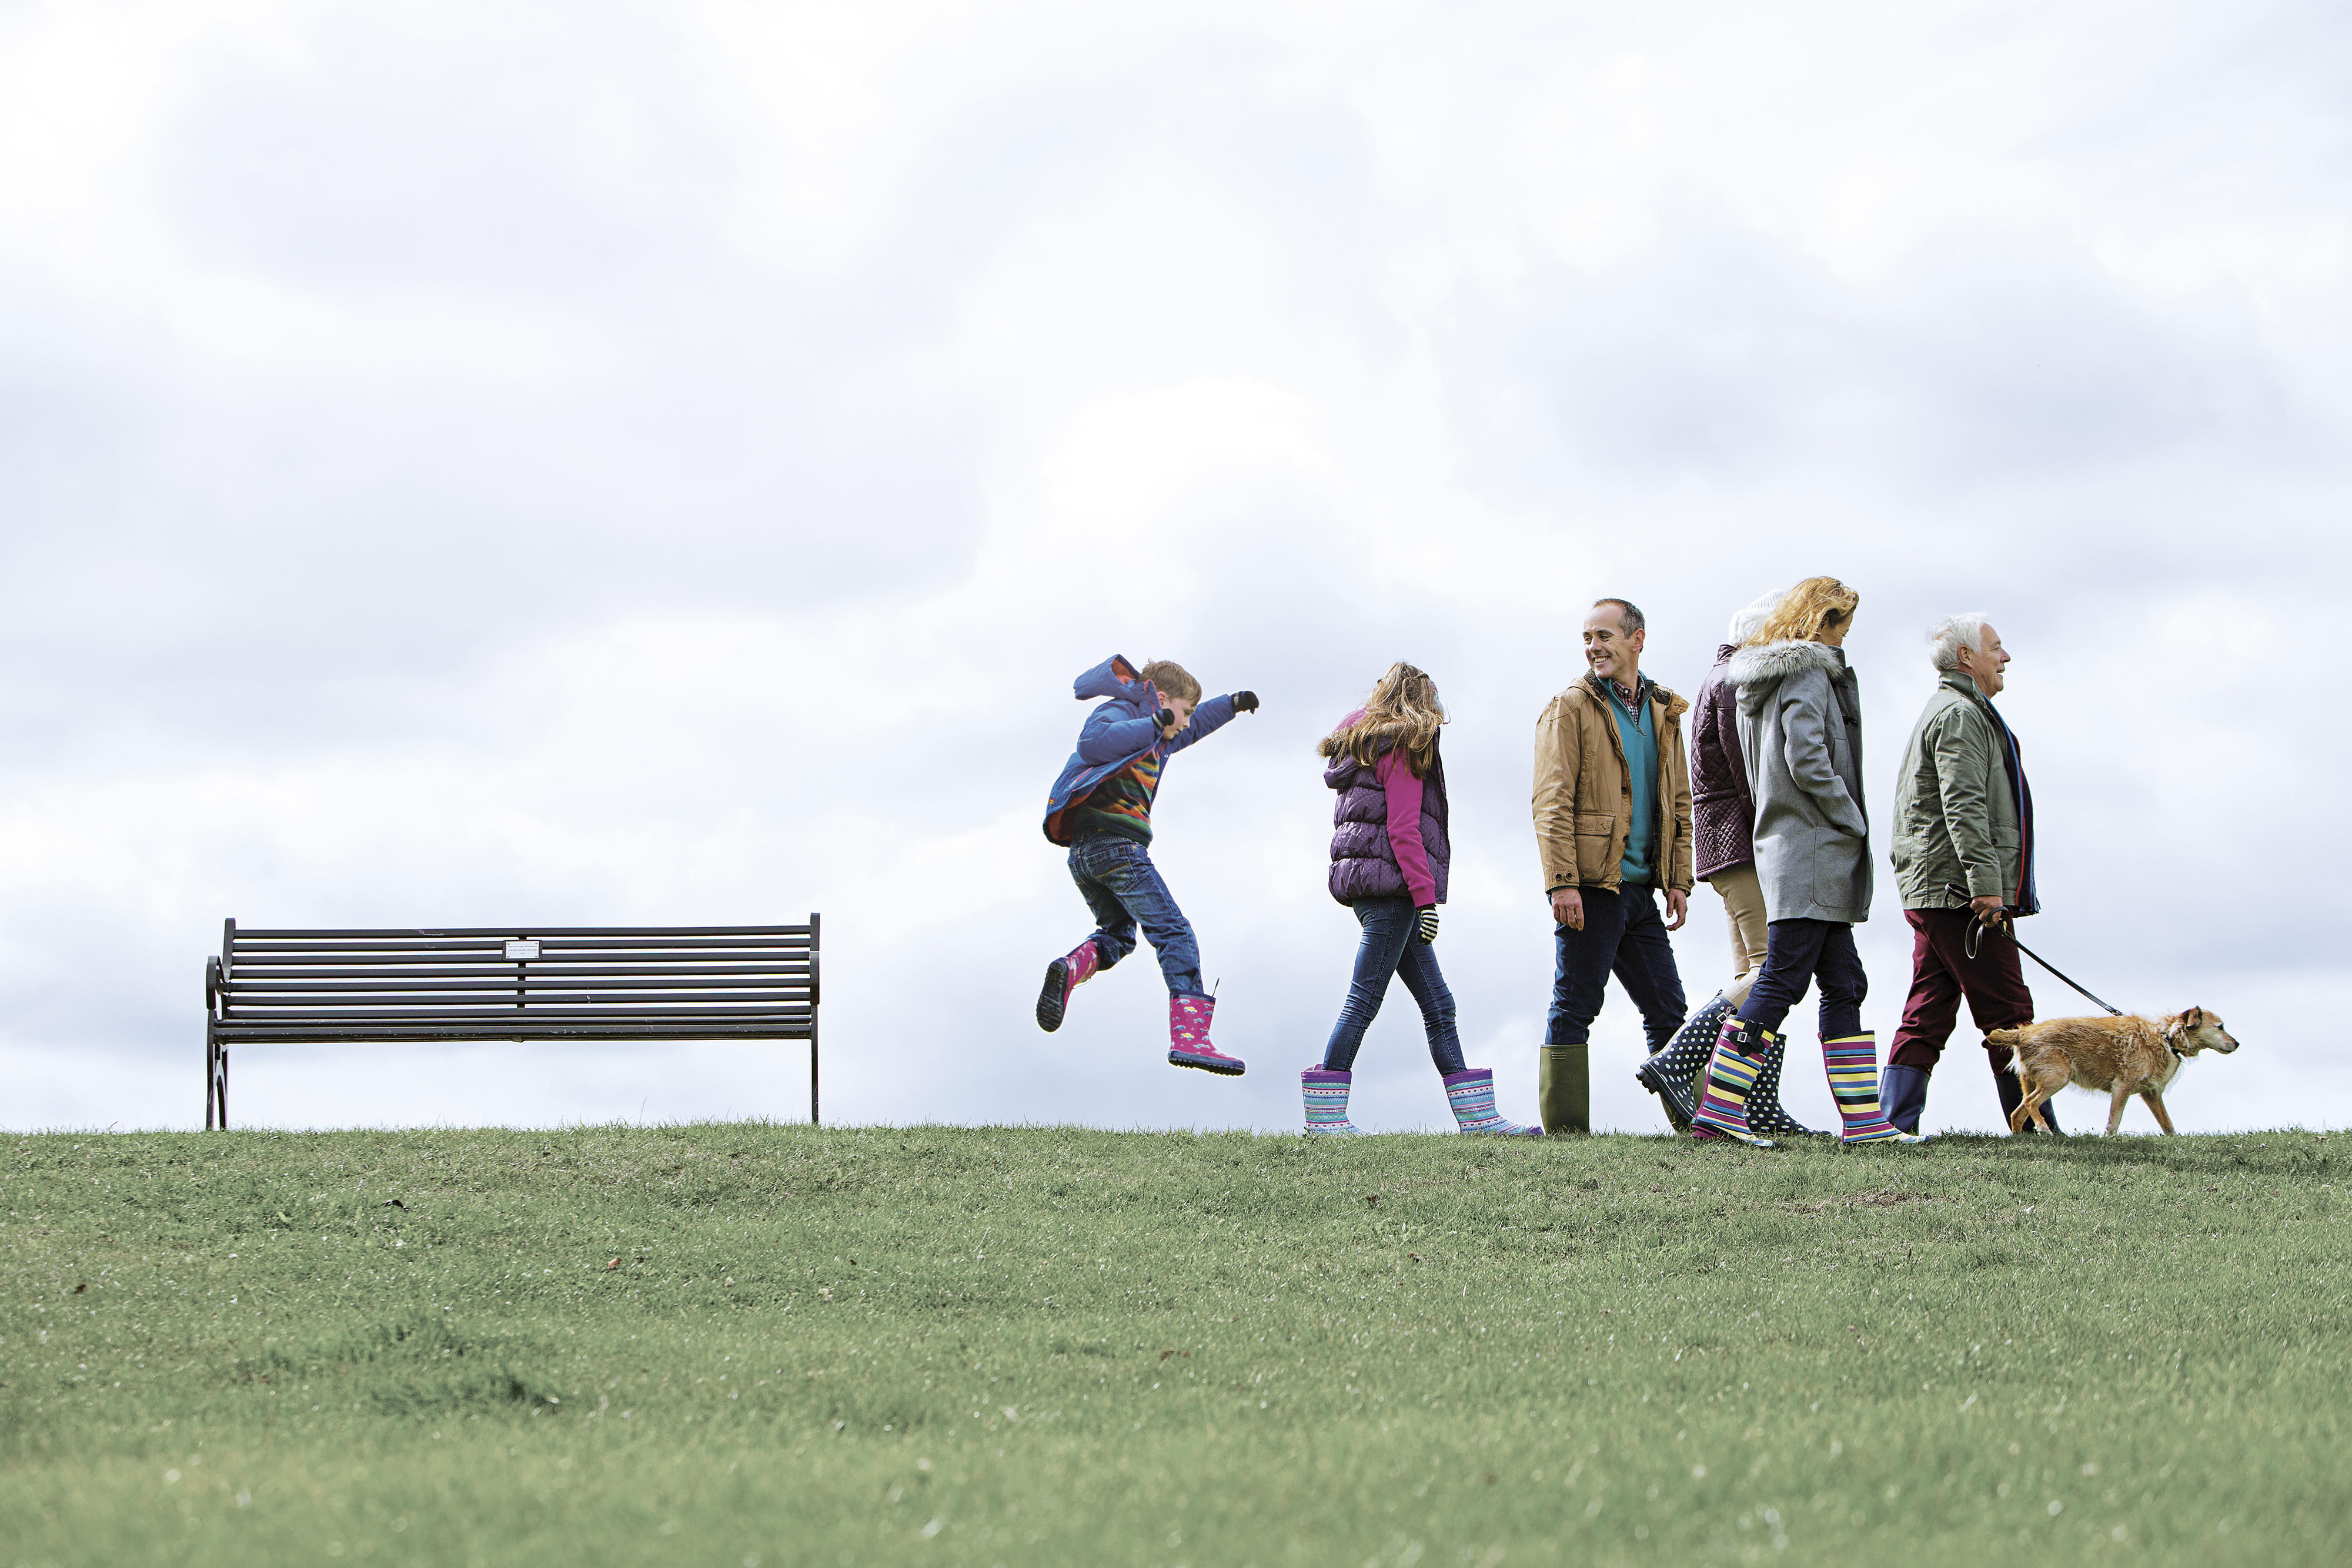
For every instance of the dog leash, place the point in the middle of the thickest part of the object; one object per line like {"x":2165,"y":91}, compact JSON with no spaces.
{"x":1976,"y":936}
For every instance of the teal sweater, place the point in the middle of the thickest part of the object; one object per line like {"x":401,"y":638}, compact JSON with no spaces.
{"x":1640,"y":737}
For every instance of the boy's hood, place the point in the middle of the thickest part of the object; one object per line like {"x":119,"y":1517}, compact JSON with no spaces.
{"x":1114,"y":677}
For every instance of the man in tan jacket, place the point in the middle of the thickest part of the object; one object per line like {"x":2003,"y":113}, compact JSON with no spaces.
{"x":1613,"y":813}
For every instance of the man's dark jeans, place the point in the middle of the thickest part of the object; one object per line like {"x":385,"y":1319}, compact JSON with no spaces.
{"x":1389,"y":950}
{"x":1797,"y":953}
{"x":1123,"y":889}
{"x":1624,"y":935}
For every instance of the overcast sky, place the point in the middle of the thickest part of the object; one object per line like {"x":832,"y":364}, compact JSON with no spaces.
{"x":602,"y":463}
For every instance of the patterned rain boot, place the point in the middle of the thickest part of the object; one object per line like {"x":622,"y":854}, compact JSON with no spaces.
{"x":1731,"y":1074}
{"x":1064,"y":975}
{"x":1471,"y":1093}
{"x":1188,"y":1035}
{"x":1764,"y":1112}
{"x":1326,"y":1101}
{"x":1674,"y":1073}
{"x":1851,"y":1064}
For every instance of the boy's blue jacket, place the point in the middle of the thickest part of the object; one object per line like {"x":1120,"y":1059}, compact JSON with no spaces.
{"x":1118,"y":732}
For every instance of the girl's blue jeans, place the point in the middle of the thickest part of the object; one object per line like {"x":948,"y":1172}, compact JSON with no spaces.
{"x":1389,"y":949}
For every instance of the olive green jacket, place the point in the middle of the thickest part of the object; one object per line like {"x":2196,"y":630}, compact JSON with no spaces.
{"x":1956,"y":805}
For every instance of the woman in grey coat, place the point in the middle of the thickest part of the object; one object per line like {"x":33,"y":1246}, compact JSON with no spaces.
{"x":1801,"y":733}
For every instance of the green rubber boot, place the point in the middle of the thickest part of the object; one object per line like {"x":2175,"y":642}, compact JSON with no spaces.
{"x":1564,"y":1095}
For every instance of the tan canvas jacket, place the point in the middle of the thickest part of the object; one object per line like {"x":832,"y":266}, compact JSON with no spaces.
{"x":1583,"y":795}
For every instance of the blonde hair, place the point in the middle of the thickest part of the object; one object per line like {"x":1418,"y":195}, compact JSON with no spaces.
{"x":1402,"y":713}
{"x":1804,"y":609}
{"x":1171,"y":680}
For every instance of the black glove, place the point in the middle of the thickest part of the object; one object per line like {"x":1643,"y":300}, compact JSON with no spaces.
{"x":1166,"y":719}
{"x":1245,"y":702}
{"x":1428,"y":927}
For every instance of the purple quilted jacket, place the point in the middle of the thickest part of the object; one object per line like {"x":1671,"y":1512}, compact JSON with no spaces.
{"x":1722,"y":818}
{"x":1388,"y":829}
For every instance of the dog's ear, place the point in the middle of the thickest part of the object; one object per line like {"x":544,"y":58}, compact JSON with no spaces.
{"x":2193,"y":1019}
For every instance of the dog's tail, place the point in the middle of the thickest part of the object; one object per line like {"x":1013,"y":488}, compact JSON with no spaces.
{"x":2008,"y":1037}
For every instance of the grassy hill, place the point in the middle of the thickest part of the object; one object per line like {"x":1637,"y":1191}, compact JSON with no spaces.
{"x":754,"y":1345}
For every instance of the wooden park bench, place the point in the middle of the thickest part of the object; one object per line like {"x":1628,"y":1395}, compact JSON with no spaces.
{"x":518,"y":983}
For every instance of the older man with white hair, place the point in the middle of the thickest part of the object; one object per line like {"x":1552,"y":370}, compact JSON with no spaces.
{"x":1964,"y":821}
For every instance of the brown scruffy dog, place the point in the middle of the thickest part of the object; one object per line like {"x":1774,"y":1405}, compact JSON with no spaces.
{"x":2125,"y":1056}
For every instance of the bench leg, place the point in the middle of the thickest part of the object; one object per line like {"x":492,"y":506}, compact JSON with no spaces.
{"x":812,"y":1122}
{"x":215,"y":1085}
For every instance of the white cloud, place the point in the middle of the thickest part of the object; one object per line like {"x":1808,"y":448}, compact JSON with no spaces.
{"x":636,"y":464}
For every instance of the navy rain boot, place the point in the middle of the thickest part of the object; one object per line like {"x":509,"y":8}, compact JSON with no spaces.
{"x":1906,"y":1088}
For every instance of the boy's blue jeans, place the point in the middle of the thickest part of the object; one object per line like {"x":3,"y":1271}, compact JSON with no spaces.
{"x":1389,"y":949}
{"x":1123,"y":889}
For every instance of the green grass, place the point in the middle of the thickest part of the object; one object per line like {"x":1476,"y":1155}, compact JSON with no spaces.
{"x":955,"y":1346}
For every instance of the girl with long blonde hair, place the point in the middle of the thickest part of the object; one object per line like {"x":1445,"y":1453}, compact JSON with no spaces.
{"x":1390,"y":856}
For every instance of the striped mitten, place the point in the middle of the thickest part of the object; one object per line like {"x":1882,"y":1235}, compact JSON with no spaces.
{"x":1853,"y":1066}
{"x":1730,"y":1078}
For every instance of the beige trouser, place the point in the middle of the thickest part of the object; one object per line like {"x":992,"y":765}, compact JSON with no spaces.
{"x":1743,"y":905}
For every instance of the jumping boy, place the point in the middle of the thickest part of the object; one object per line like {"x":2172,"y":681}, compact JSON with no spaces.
{"x":1101,"y":808}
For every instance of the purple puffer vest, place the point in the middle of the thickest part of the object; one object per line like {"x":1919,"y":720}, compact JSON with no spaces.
{"x":1722,"y":818}
{"x":1363,"y":862}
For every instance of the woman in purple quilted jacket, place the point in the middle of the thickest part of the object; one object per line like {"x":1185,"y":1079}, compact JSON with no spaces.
{"x":1389,"y":859}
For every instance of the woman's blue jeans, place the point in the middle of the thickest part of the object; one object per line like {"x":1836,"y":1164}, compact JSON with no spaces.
{"x":1389,"y":949}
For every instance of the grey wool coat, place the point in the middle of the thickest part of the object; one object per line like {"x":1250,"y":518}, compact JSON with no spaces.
{"x":1800,"y":734}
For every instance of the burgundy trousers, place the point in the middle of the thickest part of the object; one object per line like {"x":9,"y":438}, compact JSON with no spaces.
{"x":1942,"y":973}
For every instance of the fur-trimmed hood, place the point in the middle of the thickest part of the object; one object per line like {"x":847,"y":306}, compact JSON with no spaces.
{"x":1758,"y":671}
{"x":1772,"y":662}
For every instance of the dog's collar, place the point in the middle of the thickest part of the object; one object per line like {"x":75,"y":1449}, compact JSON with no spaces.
{"x":2172,"y":1034}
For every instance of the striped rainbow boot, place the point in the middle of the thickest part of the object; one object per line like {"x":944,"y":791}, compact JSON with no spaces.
{"x":1326,"y":1101}
{"x":1853,"y":1066}
{"x":1731,"y":1073}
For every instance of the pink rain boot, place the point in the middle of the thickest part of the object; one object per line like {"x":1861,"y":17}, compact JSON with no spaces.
{"x":1188,"y":1035}
{"x":1064,"y":975}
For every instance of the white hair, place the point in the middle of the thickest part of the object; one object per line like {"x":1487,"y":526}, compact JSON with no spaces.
{"x":1947,"y":637}
{"x":1743,"y":624}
